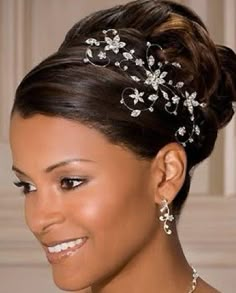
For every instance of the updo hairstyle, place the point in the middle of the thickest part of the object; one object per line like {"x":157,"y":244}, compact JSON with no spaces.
{"x":64,"y":86}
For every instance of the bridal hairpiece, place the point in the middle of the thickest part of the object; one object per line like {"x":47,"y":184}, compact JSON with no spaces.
{"x":162,"y":86}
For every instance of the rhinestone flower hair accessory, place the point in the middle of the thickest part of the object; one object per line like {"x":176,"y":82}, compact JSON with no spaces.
{"x":157,"y":78}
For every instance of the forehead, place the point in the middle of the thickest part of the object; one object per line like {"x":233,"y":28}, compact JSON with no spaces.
{"x":53,"y":136}
{"x":40,"y":141}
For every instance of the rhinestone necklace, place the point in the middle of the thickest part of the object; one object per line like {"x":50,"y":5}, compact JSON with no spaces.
{"x":194,"y":281}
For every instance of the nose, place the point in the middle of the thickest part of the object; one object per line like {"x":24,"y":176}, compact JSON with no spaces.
{"x":44,"y":212}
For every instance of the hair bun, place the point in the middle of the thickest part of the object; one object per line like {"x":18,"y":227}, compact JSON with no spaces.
{"x":222,"y":102}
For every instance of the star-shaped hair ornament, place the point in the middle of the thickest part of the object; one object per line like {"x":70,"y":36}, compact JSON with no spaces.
{"x":157,"y":78}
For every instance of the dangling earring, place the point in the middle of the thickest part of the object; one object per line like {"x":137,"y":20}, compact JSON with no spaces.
{"x":165,"y":210}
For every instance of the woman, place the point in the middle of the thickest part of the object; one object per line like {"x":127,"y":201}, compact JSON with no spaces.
{"x":105,"y":134}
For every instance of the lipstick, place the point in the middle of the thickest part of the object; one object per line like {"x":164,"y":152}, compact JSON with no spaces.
{"x":61,"y":251}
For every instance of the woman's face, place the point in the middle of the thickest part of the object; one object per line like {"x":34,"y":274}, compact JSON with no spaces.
{"x":89,"y":202}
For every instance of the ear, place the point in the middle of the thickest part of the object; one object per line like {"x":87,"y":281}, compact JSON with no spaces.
{"x":168,"y":172}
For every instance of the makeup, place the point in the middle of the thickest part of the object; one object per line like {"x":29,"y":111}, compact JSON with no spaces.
{"x":61,"y":251}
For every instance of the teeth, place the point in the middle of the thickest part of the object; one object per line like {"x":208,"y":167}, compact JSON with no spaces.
{"x":64,"y":246}
{"x":79,"y":241}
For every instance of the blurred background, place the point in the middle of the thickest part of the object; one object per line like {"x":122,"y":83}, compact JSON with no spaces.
{"x":30,"y":30}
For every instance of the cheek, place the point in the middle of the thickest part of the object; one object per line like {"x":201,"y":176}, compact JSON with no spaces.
{"x":117,"y":217}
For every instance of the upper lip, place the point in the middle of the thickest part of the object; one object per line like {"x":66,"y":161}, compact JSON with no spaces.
{"x":53,"y":243}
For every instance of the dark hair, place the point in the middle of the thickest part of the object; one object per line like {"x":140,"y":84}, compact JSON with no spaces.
{"x":63,"y":85}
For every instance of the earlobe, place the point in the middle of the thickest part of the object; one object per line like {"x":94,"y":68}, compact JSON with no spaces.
{"x":171,"y":163}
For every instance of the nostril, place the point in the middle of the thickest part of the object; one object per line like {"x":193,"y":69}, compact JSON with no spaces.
{"x":40,"y":221}
{"x":50,"y":220}
{"x":43,"y":210}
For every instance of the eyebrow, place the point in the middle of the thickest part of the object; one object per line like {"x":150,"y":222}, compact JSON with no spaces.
{"x":55,"y":166}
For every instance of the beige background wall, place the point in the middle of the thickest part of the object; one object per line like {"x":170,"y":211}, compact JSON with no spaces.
{"x":32,"y":29}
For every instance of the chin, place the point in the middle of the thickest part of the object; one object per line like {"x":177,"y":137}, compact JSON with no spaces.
{"x":70,"y":281}
{"x":70,"y":286}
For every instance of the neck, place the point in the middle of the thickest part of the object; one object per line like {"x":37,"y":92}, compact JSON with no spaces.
{"x":159,"y":267}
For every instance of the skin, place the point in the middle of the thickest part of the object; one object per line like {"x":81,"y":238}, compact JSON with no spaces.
{"x":114,"y":202}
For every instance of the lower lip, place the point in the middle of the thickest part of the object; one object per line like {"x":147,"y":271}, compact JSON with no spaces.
{"x":58,"y":257}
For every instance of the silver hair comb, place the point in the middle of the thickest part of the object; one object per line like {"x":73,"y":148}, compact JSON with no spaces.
{"x":157,"y":79}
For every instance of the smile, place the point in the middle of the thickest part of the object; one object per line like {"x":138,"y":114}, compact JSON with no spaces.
{"x":64,"y":250}
{"x":65,"y":245}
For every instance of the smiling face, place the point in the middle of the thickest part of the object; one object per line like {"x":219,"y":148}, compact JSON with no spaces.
{"x":81,"y":187}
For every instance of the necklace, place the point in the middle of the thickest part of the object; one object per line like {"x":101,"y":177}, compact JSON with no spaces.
{"x":194,"y":281}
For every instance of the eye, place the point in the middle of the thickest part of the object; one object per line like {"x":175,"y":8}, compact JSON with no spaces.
{"x":71,"y":183}
{"x":25,"y":187}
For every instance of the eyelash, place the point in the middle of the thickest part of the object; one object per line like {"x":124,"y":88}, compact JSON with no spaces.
{"x":72,"y":180}
{"x":25,"y":187}
{"x":69,"y":181}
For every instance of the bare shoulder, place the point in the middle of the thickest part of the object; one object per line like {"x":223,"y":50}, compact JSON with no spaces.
{"x":204,"y":287}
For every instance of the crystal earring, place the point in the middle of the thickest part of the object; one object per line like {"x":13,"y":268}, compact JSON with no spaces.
{"x":166,"y":216}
